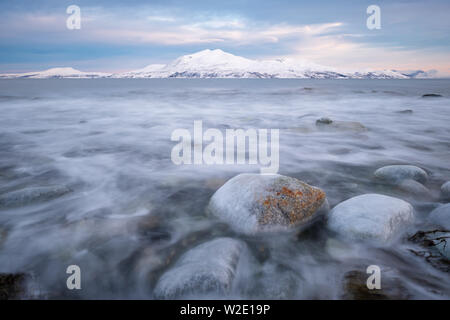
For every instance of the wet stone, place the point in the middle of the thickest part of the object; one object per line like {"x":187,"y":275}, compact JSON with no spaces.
{"x":254,"y":203}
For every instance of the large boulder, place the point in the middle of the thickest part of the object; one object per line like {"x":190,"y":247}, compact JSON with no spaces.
{"x":370,"y":216}
{"x":395,"y":174}
{"x":441,"y":216}
{"x":445,"y":190}
{"x":255,"y":203}
{"x":208,"y":269}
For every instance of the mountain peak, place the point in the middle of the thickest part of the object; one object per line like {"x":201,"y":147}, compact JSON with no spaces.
{"x":62,"y":71}
{"x":208,"y":53}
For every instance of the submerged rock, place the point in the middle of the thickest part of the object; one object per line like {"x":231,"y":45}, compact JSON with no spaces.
{"x":324,"y":121}
{"x":3,"y":235}
{"x":370,"y":216}
{"x":441,"y":216}
{"x":445,"y":190}
{"x":436,"y":244}
{"x":12,"y":285}
{"x":339,"y":250}
{"x":355,"y":287}
{"x":407,"y":111}
{"x":254,"y":203}
{"x":431,"y":95}
{"x":31,"y":195}
{"x":209,"y":268}
{"x":277,"y":283}
{"x":442,"y":243}
{"x":328,"y":124}
{"x":415,"y":188}
{"x":395,"y":174}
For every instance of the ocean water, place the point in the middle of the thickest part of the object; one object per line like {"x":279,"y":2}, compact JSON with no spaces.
{"x":124,"y":212}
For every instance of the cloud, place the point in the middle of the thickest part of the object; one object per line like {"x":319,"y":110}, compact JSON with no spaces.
{"x":230,"y":32}
{"x":157,"y":29}
{"x":161,"y":18}
{"x":340,"y":50}
{"x":328,"y":43}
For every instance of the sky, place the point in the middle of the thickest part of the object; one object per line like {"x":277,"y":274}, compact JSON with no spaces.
{"x":126,"y":35}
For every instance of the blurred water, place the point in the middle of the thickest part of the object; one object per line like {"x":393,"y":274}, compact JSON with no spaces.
{"x":131,"y":212}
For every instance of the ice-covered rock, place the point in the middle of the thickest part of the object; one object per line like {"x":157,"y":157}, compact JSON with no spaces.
{"x":32,"y":195}
{"x":209,"y":268}
{"x":441,"y":216}
{"x":395,"y":174}
{"x":255,"y":203}
{"x":370,"y":216}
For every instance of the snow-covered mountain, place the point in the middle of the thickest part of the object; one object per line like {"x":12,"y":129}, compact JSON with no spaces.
{"x":220,"y":64}
{"x":69,"y":73}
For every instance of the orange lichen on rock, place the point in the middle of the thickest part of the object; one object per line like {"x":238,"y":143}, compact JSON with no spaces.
{"x":288,"y":207}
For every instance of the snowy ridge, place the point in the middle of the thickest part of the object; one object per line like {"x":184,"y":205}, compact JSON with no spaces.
{"x":69,"y":73}
{"x":220,"y":64}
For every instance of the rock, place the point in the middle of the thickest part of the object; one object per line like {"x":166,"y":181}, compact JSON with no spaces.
{"x":209,"y":268}
{"x":445,"y":190}
{"x":431,"y":95}
{"x":395,"y":174}
{"x":443,"y":245}
{"x":31,"y":195}
{"x":3,"y":235}
{"x":436,"y":244}
{"x":355,"y":287}
{"x":12,"y":285}
{"x":441,"y":216}
{"x":328,"y":124}
{"x":276,"y":283}
{"x":254,"y":203}
{"x":415,"y":188}
{"x":324,"y":121}
{"x":339,"y":250}
{"x":407,"y":111}
{"x":370,"y":216}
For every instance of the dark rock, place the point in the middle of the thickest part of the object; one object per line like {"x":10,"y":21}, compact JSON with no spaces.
{"x":324,"y":121}
{"x":355,"y":288}
{"x":405,"y":111}
{"x":436,"y":247}
{"x":12,"y":285}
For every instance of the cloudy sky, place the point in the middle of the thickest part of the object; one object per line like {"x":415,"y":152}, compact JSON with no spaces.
{"x":126,"y":35}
